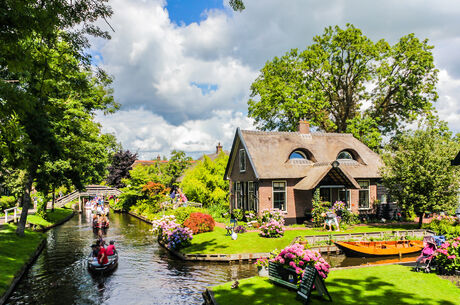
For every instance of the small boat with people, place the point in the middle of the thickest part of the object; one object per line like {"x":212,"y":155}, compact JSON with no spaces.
{"x":101,"y":259}
{"x":100,"y":222}
{"x":379,"y":248}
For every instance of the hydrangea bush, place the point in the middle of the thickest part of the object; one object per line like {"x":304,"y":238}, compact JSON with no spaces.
{"x":298,"y":258}
{"x":172,"y":234}
{"x":272,"y":229}
{"x":447,"y":256}
{"x":273,"y":214}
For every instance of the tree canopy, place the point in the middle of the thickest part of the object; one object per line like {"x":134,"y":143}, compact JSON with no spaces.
{"x":49,"y":93}
{"x":344,"y":82}
{"x":418,"y":173}
{"x":120,"y":164}
{"x":205,"y":182}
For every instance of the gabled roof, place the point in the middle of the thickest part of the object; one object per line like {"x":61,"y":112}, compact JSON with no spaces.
{"x":456,"y":161}
{"x":269,"y":154}
{"x":231,"y":159}
{"x":317,"y":173}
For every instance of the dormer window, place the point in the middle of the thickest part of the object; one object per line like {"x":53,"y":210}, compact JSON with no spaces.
{"x":345,"y":155}
{"x":242,"y":158}
{"x":297,"y":155}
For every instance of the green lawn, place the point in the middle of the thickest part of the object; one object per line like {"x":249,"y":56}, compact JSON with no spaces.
{"x":391,"y":284}
{"x":217,"y":242}
{"x":14,"y":252}
{"x":53,"y":217}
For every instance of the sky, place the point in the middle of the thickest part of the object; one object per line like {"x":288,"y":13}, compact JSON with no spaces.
{"x":183,"y":69}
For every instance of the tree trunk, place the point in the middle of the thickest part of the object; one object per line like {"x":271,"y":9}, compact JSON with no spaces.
{"x":25,"y":205}
{"x":420,"y":220}
{"x":54,"y":199}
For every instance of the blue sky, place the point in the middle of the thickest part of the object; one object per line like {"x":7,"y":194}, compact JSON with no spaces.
{"x":188,"y":11}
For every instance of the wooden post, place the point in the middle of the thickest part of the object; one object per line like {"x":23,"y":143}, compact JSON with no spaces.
{"x":14,"y":218}
{"x":80,"y":210}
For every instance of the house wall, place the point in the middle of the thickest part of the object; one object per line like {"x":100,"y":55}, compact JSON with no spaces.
{"x":236,"y":175}
{"x":354,"y":194}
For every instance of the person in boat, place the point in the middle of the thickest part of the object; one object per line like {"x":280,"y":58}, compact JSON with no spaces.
{"x":111,"y":248}
{"x":102,"y":255}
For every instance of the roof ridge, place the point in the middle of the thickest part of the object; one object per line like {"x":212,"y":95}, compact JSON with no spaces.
{"x":318,"y":133}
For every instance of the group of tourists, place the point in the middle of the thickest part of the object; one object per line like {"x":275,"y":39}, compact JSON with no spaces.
{"x":178,"y":198}
{"x":100,"y":221}
{"x":101,"y":254}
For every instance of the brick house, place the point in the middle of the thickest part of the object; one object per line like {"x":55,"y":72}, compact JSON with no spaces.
{"x":283,"y":169}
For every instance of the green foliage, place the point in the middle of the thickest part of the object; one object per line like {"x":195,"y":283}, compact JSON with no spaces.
{"x":176,"y":166}
{"x":204,"y":183}
{"x":329,"y":82}
{"x":146,"y":207}
{"x":238,"y":214}
{"x":417,"y":170}
{"x":7,"y":202}
{"x":319,"y":207}
{"x":219,"y":212}
{"x":447,"y":226}
{"x":183,"y":213}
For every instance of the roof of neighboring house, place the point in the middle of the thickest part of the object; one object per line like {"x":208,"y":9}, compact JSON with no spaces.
{"x":456,"y":161}
{"x":269,"y":152}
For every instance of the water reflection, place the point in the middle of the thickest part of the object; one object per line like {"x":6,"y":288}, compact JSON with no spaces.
{"x":147,"y":273}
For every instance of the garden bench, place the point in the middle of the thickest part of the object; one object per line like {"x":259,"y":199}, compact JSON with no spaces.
{"x":231,"y":227}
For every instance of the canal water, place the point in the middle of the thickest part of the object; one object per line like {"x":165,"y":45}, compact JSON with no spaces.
{"x":146,"y":274}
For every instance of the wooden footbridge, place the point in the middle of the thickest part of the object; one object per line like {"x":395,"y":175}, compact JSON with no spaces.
{"x":91,"y":190}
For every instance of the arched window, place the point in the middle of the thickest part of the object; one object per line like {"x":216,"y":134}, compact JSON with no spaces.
{"x":345,"y":155}
{"x":297,"y":154}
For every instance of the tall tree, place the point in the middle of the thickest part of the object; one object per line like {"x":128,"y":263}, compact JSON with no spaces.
{"x":344,"y":82}
{"x":120,"y":165}
{"x":176,"y":166}
{"x":418,"y":173}
{"x":47,"y":86}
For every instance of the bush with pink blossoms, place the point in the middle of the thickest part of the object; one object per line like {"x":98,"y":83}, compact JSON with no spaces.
{"x":172,"y":234}
{"x":447,"y":256}
{"x":298,"y":258}
{"x":273,"y":214}
{"x":271,"y":229}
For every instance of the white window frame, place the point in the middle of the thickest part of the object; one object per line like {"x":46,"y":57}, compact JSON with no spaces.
{"x":285,"y":192}
{"x":347,"y":196}
{"x":369,"y":194}
{"x":242,"y":153}
{"x":251,"y":196}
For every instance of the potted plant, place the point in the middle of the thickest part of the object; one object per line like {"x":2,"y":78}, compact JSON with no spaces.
{"x":262,"y":266}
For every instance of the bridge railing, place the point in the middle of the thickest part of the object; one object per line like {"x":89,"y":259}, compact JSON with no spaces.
{"x":15,"y":209}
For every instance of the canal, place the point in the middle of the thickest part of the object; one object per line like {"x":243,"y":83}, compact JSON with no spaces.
{"x":146,"y":274}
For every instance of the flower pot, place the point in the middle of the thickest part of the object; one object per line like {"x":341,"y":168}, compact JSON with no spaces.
{"x":263,"y":271}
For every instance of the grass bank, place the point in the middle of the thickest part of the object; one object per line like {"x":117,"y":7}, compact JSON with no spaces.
{"x":217,"y":242}
{"x":15,"y":251}
{"x":53,"y":217}
{"x":391,"y":284}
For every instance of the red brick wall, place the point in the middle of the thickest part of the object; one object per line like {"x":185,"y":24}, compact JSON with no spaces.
{"x":354,"y":194}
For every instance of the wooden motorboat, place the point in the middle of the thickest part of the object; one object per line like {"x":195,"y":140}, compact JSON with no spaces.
{"x":379,"y":248}
{"x":93,"y":266}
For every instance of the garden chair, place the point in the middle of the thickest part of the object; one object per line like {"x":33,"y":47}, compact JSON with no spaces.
{"x":231,"y":226}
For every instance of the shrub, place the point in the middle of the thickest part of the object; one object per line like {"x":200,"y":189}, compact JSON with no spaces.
{"x":200,"y":223}
{"x":318,"y":209}
{"x":445,"y":225}
{"x":271,"y":229}
{"x":219,"y":212}
{"x":447,"y":256}
{"x":251,"y":216}
{"x":273,"y":214}
{"x":7,"y":202}
{"x":298,"y":258}
{"x":344,"y":215}
{"x":238,"y":213}
{"x":171,"y":234}
{"x":240,"y":229}
{"x":183,"y":213}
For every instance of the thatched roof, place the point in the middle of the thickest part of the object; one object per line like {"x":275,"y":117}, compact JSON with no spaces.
{"x":269,"y":153}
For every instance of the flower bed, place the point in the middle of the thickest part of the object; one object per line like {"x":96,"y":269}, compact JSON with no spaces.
{"x":447,"y":256}
{"x":297,"y":258}
{"x":172,"y":234}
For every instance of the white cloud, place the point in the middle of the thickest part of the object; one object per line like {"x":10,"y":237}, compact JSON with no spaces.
{"x":162,"y":70}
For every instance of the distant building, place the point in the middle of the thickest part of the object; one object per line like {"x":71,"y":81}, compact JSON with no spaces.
{"x":283,"y":169}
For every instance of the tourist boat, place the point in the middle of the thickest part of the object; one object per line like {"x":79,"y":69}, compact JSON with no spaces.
{"x":104,"y":225}
{"x":379,"y":248}
{"x":110,"y":266}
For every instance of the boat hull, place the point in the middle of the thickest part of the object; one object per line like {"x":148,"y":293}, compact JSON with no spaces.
{"x":111,"y":266}
{"x":373,"y":249}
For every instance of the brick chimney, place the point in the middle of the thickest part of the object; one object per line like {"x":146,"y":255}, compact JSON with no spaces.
{"x":304,"y":127}
{"x":218,"y":148}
